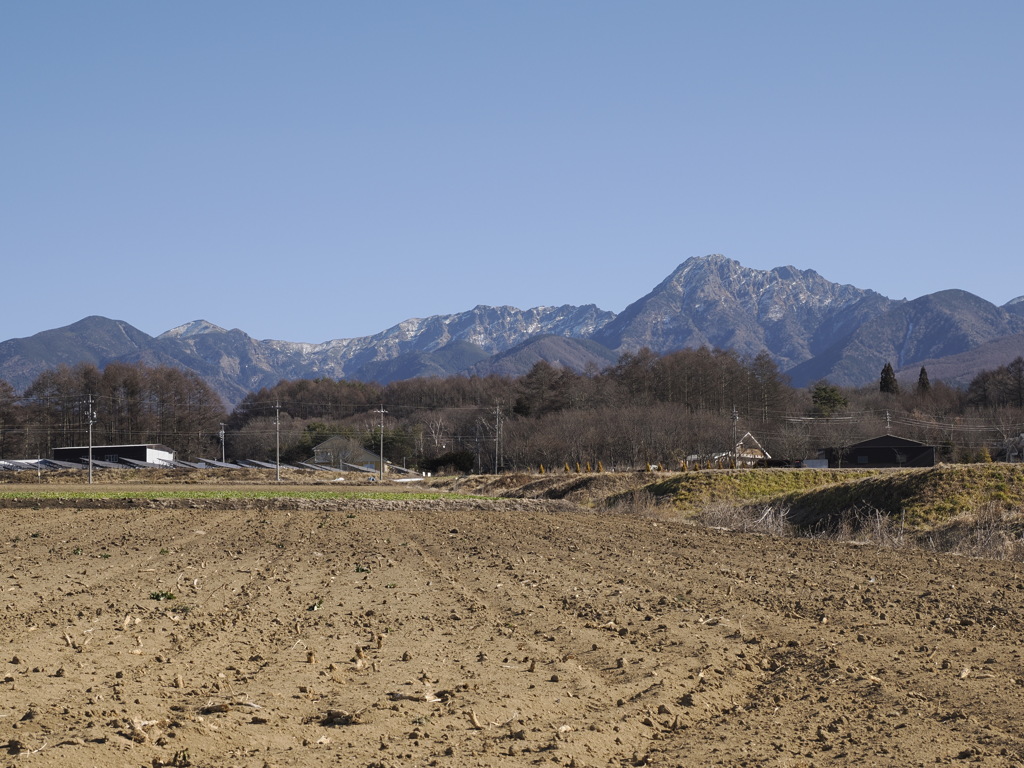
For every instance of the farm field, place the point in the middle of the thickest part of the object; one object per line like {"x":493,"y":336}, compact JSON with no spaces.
{"x":213,"y":628}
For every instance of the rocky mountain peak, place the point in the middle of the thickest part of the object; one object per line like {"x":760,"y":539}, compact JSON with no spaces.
{"x":811,"y":327}
{"x":702,"y":283}
{"x":717,"y":302}
{"x":188,"y":330}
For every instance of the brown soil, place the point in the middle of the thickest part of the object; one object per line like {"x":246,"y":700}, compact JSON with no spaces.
{"x":489,"y":633}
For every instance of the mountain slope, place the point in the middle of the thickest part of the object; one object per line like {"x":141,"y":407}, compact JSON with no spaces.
{"x":716,"y":302}
{"x":577,"y":355}
{"x":417,"y":342}
{"x":1015,"y":306}
{"x":812,"y":328}
{"x":958,"y":370}
{"x":94,"y":339}
{"x":455,"y":357}
{"x":934,"y":326}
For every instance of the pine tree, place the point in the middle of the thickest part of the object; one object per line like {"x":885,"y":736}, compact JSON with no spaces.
{"x":887,"y":383}
{"x":827,"y":398}
{"x":923,"y":385}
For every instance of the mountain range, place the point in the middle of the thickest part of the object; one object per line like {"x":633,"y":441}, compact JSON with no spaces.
{"x":813,"y":329}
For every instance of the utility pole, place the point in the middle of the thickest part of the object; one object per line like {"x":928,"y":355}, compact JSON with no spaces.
{"x":381,"y":411}
{"x":479,"y":450}
{"x":92,"y":420}
{"x":277,"y":424}
{"x":497,"y":439}
{"x":223,"y":460}
{"x":735,"y":433}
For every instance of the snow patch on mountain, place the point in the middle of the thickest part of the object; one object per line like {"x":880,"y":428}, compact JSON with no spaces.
{"x":189,"y":330}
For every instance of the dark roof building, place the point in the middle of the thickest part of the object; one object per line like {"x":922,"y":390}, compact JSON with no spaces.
{"x":885,"y":451}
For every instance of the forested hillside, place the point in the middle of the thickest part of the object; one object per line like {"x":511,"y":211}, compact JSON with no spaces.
{"x":644,"y":410}
{"x":126,"y":404}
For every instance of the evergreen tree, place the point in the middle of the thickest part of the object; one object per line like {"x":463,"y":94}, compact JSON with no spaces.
{"x":827,"y":398}
{"x":887,"y":383}
{"x":923,"y":385}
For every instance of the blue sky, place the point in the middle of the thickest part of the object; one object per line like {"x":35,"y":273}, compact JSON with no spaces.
{"x":316,"y":170}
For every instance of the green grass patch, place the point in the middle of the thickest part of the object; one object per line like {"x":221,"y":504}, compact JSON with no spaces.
{"x":823,"y":498}
{"x":924,"y":497}
{"x":688,"y":491}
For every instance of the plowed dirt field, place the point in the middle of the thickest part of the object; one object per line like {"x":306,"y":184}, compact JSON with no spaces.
{"x":489,"y":633}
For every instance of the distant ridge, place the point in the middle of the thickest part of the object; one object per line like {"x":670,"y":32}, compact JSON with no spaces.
{"x":195,"y":328}
{"x":812,"y":328}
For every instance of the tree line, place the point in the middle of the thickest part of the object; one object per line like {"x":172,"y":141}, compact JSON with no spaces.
{"x":124,"y":404}
{"x":647,"y":409}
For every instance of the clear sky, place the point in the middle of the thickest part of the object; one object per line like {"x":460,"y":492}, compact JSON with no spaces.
{"x":315,"y":170}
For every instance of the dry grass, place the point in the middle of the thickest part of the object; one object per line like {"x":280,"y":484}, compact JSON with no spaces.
{"x":771,"y":519}
{"x":991,"y":531}
{"x":639,"y":502}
